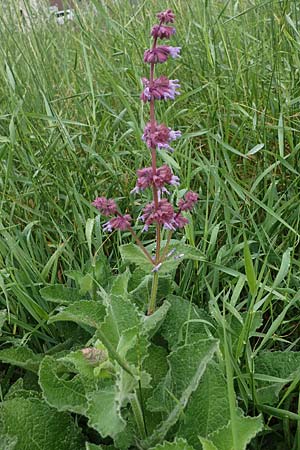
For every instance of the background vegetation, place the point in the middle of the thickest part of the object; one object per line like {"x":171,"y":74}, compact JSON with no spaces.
{"x":70,"y":129}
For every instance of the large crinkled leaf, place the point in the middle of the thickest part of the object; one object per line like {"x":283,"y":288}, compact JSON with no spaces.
{"x":59,"y":293}
{"x":274,"y":370}
{"x":153,"y":322}
{"x":121,"y":315}
{"x":184,"y":320}
{"x":85,"y":312}
{"x":104,"y":412}
{"x":36,"y":426}
{"x":208,"y":408}
{"x":178,"y":444}
{"x":7,"y":442}
{"x":132,"y":254}
{"x":187,"y":365}
{"x":222,"y":439}
{"x":62,"y":393}
{"x":120,"y":284}
{"x":22,"y":357}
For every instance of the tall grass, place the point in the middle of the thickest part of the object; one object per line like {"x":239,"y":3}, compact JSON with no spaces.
{"x":70,"y":128}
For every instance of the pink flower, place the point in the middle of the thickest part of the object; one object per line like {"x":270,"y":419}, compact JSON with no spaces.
{"x":163,"y":176}
{"x":163,"y":215}
{"x":180,"y":221}
{"x":162,"y":89}
{"x":160,"y":136}
{"x":118,"y":223}
{"x":162,"y":32}
{"x":106,"y":206}
{"x":166,"y":16}
{"x":160,"y":54}
{"x":188,"y":203}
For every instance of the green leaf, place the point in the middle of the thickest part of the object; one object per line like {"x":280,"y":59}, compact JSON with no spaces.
{"x":280,"y":368}
{"x":36,"y":426}
{"x":7,"y":442}
{"x":85,"y":312}
{"x":104,"y":412}
{"x":187,"y":365}
{"x":208,"y":408}
{"x":154,"y":321}
{"x":21,"y":357}
{"x":184,"y":321}
{"x":247,"y":428}
{"x":121,"y":315}
{"x":84,"y":365}
{"x":132,"y":254}
{"x":178,"y":444}
{"x":60,"y":392}
{"x":3,"y":317}
{"x":120,"y":284}
{"x":58,"y":293}
{"x":88,"y":233}
{"x":250,"y":272}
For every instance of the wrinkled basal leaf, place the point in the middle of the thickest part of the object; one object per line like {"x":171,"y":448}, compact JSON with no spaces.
{"x":22,"y":357}
{"x":280,"y":367}
{"x":187,"y":365}
{"x":35,"y":426}
{"x":85,"y":312}
{"x":104,"y":412}
{"x":58,"y":293}
{"x":208,"y":408}
{"x":60,"y":392}
{"x":120,"y":285}
{"x":183,"y":320}
{"x":178,"y":444}
{"x":247,"y":428}
{"x":153,"y":322}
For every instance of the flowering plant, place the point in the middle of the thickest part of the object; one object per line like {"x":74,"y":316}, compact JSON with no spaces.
{"x":159,"y":212}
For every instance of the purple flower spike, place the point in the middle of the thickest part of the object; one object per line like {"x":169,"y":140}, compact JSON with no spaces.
{"x":163,"y":176}
{"x":163,"y":215}
{"x":189,"y":201}
{"x":180,"y":221}
{"x":160,"y":137}
{"x":162,"y":89}
{"x":160,"y":54}
{"x":118,"y":223}
{"x":106,"y":206}
{"x":162,"y":32}
{"x":166,"y":16}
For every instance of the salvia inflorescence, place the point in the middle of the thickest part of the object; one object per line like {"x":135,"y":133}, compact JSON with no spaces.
{"x":159,"y":213}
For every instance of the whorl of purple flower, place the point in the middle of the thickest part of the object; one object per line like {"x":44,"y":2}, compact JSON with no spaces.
{"x":118,"y":223}
{"x":160,"y":137}
{"x":162,"y":177}
{"x":162,"y":89}
{"x":162,"y":32}
{"x":163,"y":214}
{"x":180,"y":221}
{"x":106,"y":206}
{"x":160,"y":54}
{"x":189,"y":201}
{"x":166,"y":16}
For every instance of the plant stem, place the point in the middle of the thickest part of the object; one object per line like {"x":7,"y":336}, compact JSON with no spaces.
{"x":152,"y":302}
{"x":165,"y":251}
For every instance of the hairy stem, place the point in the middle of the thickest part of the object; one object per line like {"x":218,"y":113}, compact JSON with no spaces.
{"x":152,"y":302}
